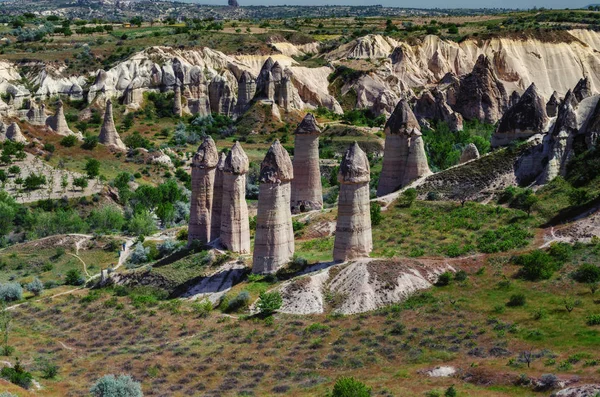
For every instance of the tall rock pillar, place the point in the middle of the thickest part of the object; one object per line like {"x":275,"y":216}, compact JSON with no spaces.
{"x":353,"y":237}
{"x":108,"y":132}
{"x":274,"y":241}
{"x":235,"y":226}
{"x":215,"y":217}
{"x":204,"y":165}
{"x":177,"y":106}
{"x":307,"y":192}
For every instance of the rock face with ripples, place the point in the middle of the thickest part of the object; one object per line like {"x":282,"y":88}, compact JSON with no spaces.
{"x":353,"y":237}
{"x":204,"y":166}
{"x":235,"y":226}
{"x":307,"y":191}
{"x":274,"y":242}
{"x":217,"y":207}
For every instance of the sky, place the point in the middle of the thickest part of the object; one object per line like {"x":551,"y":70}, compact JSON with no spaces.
{"x":423,"y":3}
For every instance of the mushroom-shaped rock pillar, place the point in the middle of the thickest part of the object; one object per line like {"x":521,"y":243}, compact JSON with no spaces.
{"x":204,"y":166}
{"x":307,"y":191}
{"x":215,"y":217}
{"x":353,"y":237}
{"x":274,"y":241}
{"x":235,"y":225}
{"x":108,"y":132}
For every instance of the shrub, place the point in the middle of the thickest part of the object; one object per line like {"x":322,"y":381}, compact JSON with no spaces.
{"x":140,"y":254}
{"x":35,"y":287}
{"x":408,"y":197}
{"x":142,"y":224}
{"x":17,"y":375}
{"x":444,"y":279}
{"x":593,"y":319}
{"x":376,"y":216}
{"x":537,"y":265}
{"x":460,"y":275}
{"x":562,"y":252}
{"x":202,"y":309}
{"x":548,"y":382}
{"x":450,"y":392}
{"x":240,"y":301}
{"x":349,"y":387}
{"x":503,"y":239}
{"x":119,"y":386}
{"x":69,"y":141}
{"x":11,"y":292}
{"x":49,"y":370}
{"x":269,"y":302}
{"x":516,"y":300}
{"x":106,"y":219}
{"x":587,"y":273}
{"x":74,"y":277}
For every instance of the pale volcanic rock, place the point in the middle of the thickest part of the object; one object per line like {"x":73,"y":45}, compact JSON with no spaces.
{"x":552,"y":105}
{"x":470,"y":153}
{"x":353,"y":237}
{"x":58,"y":122}
{"x":307,"y":191}
{"x":36,"y":115}
{"x":583,"y":89}
{"x":246,"y":91}
{"x":404,"y":156}
{"x":274,"y":241}
{"x":13,"y":133}
{"x":204,"y":166}
{"x":579,"y":391}
{"x":264,"y":87}
{"x":222,"y":95}
{"x":528,"y":117}
{"x":235,"y":226}
{"x":480,"y":94}
{"x":592,"y":128}
{"x":108,"y":132}
{"x":177,"y":106}
{"x":432,"y":106}
{"x":215,"y":217}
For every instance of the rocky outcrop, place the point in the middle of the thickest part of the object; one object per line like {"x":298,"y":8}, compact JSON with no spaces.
{"x":58,"y":122}
{"x":470,"y":153}
{"x":404,"y":158}
{"x":353,"y":237}
{"x":552,"y":105}
{"x":514,"y":98}
{"x":579,"y":391}
{"x":235,"y":226}
{"x":307,"y":192}
{"x":528,"y":117}
{"x":221,"y":96}
{"x":217,"y":205}
{"x":480,"y":94}
{"x":274,"y":241}
{"x":432,"y":106}
{"x":177,"y":106}
{"x":246,"y":91}
{"x":36,"y":115}
{"x":592,"y":127}
{"x":13,"y":133}
{"x":108,"y":132}
{"x":204,"y":166}
{"x":583,"y":89}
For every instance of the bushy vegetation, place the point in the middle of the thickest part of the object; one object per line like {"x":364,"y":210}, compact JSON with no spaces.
{"x":116,"y":386}
{"x":349,"y":387}
{"x":17,"y":375}
{"x":10,"y":292}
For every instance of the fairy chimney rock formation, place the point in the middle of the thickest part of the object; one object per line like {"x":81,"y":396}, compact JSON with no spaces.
{"x":215,"y":217}
{"x":36,"y":115}
{"x":13,"y":133}
{"x":177,"y":107}
{"x":552,"y":105}
{"x":583,"y":89}
{"x":108,"y":133}
{"x":58,"y":122}
{"x":404,"y":158}
{"x":235,"y":225}
{"x":514,"y":98}
{"x":307,"y":192}
{"x":353,"y":237}
{"x":470,"y":153}
{"x":246,"y":91}
{"x":274,"y":241}
{"x":528,"y":117}
{"x":204,"y":165}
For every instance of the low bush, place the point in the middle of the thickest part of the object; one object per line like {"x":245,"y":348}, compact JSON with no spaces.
{"x":74,"y":277}
{"x":444,"y":279}
{"x":116,"y":386}
{"x":349,"y":387}
{"x":593,"y":319}
{"x":239,"y":302}
{"x":516,"y":300}
{"x":269,"y":302}
{"x":587,"y":273}
{"x":10,"y":292}
{"x":202,"y":309}
{"x":17,"y":375}
{"x":537,"y":265}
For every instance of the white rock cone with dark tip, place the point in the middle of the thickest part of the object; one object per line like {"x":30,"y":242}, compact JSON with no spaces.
{"x":235,"y":225}
{"x":36,"y":115}
{"x":58,"y":122}
{"x":307,"y":191}
{"x":204,"y":166}
{"x":274,"y":241}
{"x":470,"y":153}
{"x":404,"y":158}
{"x":215,"y":217}
{"x":353,"y":237}
{"x":108,"y":133}
{"x":13,"y":133}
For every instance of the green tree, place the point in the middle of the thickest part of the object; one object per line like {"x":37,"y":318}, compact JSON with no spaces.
{"x":81,"y":183}
{"x":269,"y":302}
{"x":408,"y":197}
{"x":74,"y":277}
{"x":35,"y":287}
{"x":349,"y":387}
{"x":142,"y":224}
{"x":107,"y":219}
{"x":92,"y":168}
{"x":537,"y":265}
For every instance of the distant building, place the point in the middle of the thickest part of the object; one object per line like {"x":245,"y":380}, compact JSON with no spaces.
{"x":233,"y":3}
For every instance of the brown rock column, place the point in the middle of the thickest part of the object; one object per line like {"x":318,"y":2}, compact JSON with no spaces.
{"x":108,"y":132}
{"x":307,"y":191}
{"x":58,"y":122}
{"x":274,"y":242}
{"x":353,"y":237}
{"x":215,"y":217}
{"x":177,"y":107}
{"x":235,"y":226}
{"x":204,"y":165}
